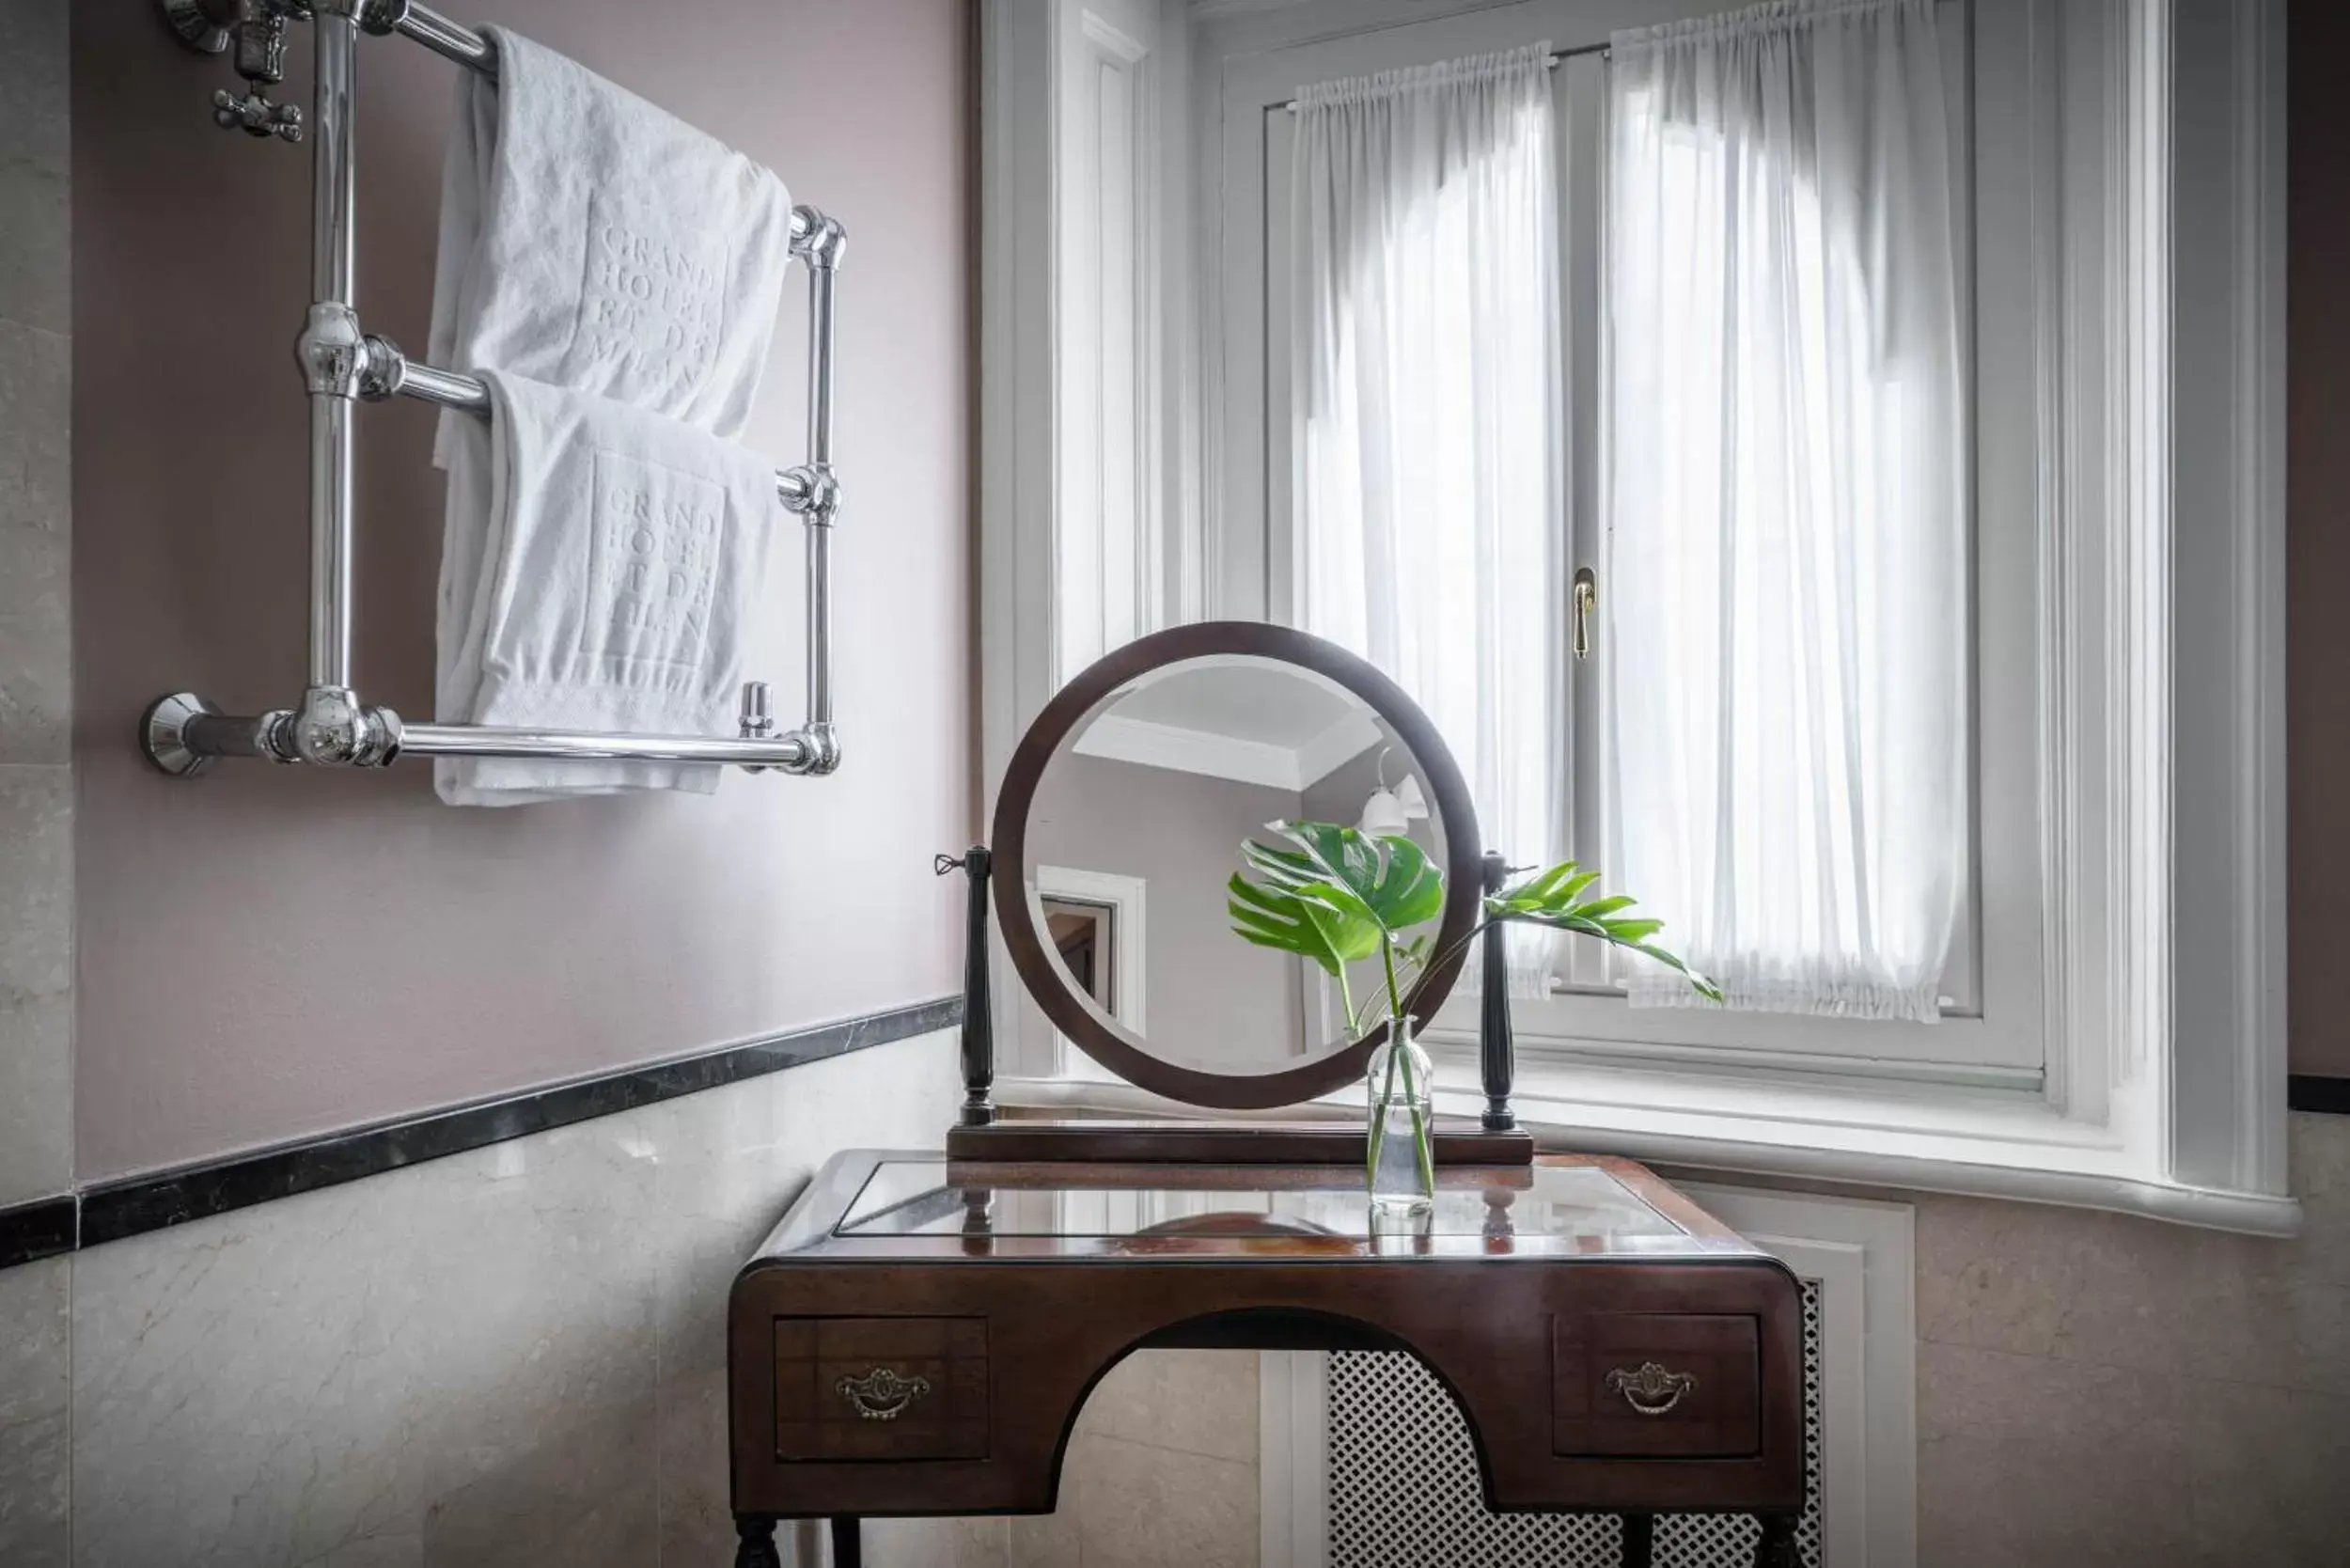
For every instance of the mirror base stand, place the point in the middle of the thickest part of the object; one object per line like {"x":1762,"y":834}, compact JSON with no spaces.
{"x":978,"y":1027}
{"x":1496,"y":1051}
{"x":1457,"y":1143}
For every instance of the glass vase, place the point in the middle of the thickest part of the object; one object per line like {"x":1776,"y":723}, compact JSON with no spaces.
{"x":1402,"y":1163}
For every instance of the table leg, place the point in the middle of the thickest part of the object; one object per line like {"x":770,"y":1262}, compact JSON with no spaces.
{"x":1776,"y":1549}
{"x":1639,"y":1540}
{"x":848,"y":1544}
{"x":755,"y":1542}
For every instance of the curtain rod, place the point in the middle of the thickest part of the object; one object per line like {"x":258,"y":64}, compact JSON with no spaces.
{"x":1550,"y":59}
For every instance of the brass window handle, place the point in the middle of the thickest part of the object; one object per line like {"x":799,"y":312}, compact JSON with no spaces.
{"x":881,"y":1395}
{"x":1586,"y":601}
{"x":1651,"y":1391}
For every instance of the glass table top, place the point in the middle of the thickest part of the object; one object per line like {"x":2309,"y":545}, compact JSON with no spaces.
{"x":916,"y":1197}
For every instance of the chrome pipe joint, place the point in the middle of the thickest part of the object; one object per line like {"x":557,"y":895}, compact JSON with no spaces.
{"x":816,"y":238}
{"x":811,"y":490}
{"x":335,"y":358}
{"x":333,"y":728}
{"x":386,"y":372}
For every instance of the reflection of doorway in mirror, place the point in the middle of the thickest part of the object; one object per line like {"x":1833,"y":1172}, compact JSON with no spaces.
{"x":1080,"y":932}
{"x":1096,"y":922}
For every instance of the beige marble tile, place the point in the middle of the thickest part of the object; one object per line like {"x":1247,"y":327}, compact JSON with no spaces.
{"x":2033,"y":1279}
{"x":929,"y":1544}
{"x":36,"y":982}
{"x":34,"y":1396}
{"x":376,"y":1551}
{"x":36,"y":651}
{"x":2271,"y":1475}
{"x":2029,"y":1461}
{"x":461,"y":1353}
{"x":2109,"y":1290}
{"x":2318,"y":1147}
{"x":2281,"y":1329}
{"x":1050,"y":1539}
{"x":35,"y":283}
{"x":730,"y":1163}
{"x":1201,"y":1401}
{"x":1142,"y":1507}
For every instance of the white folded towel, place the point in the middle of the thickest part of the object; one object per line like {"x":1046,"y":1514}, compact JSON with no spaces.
{"x":599,"y":566}
{"x":592,"y":241}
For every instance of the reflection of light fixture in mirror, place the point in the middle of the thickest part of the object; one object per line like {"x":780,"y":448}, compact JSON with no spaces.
{"x":1393,"y":812}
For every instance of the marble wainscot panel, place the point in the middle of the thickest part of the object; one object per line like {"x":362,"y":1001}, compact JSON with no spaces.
{"x":507,"y":1357}
{"x":2135,"y":1393}
{"x":35,"y":1395}
{"x":1161,"y":1470}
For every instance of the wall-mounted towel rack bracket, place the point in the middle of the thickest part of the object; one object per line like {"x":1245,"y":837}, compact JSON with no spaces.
{"x":343,"y":364}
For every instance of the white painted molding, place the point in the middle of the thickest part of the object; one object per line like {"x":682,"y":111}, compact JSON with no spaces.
{"x":1129,"y":903}
{"x":2226,"y":318}
{"x":1148,"y":745}
{"x":1894,"y":1143}
{"x":1293,"y":1458}
{"x":1348,"y":737}
{"x":1864,"y":1256}
{"x":1151,"y":744}
{"x":1019,"y":492}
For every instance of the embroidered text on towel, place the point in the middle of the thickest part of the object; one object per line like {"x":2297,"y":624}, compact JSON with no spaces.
{"x":651,"y":309}
{"x":654,"y":563}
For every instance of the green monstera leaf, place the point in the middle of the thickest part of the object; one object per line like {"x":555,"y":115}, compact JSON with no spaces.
{"x":1553,"y":897}
{"x":1283,"y":921}
{"x":1385,"y":881}
{"x":1336,"y":897}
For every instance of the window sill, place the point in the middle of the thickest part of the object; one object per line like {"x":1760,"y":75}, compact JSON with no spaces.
{"x":1908,"y":1136}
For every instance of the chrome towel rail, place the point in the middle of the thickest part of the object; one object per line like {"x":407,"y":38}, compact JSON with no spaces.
{"x":343,"y":364}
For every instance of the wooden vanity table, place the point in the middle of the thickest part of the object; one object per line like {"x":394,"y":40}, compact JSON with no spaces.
{"x":919,"y":1333}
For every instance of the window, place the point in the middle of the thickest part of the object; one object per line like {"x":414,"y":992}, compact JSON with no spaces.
{"x":2111,"y":1017}
{"x":1587,"y":782}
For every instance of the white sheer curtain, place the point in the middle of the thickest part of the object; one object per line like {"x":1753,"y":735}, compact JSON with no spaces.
{"x":1788,"y":572}
{"x":1427,"y":492}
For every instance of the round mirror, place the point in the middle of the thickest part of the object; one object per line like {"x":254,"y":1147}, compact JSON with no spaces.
{"x":1120,"y":826}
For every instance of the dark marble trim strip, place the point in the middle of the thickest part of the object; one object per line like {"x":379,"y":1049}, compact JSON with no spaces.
{"x":41,"y":1229}
{"x":2306,"y":1092}
{"x":110,"y":1211}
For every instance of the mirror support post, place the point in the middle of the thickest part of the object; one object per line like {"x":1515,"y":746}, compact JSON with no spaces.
{"x":1496,"y":1051}
{"x":979,"y":1025}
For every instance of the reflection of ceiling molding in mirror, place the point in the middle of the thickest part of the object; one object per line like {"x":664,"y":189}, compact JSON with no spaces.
{"x":1247,"y":720}
{"x":1153,"y":765}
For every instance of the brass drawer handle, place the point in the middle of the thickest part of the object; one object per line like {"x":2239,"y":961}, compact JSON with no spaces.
{"x":1651,"y":1391}
{"x":881,"y":1395}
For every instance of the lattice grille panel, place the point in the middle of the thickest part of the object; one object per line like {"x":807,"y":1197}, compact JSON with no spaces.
{"x":1405,"y":1494}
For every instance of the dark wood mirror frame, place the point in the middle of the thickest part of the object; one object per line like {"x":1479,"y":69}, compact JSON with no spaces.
{"x":1104,"y":1041}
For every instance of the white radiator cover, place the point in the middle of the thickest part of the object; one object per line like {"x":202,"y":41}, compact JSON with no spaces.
{"x":1366,"y":1462}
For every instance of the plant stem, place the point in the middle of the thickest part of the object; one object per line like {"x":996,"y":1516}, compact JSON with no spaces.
{"x":1379,"y":1128}
{"x":1395,"y":996}
{"x":1423,"y":1152}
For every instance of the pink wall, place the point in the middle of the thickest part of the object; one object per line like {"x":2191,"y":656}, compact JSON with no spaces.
{"x":266,"y":953}
{"x":2317,"y":482}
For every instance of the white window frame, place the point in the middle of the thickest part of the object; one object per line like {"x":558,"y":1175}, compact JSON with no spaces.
{"x":2156,"y":268}
{"x":1994,"y":1038}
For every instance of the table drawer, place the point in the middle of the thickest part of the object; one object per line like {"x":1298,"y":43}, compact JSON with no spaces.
{"x":1643,"y":1385}
{"x":880,"y":1388}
